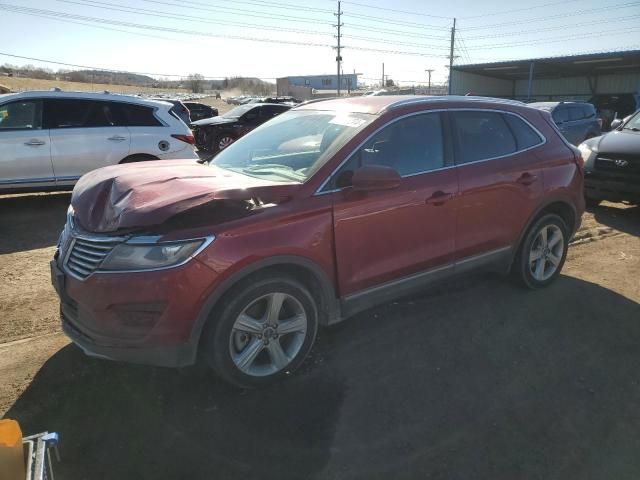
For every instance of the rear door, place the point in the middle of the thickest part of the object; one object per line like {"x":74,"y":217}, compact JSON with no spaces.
{"x":500,"y":180}
{"x":578,"y":124}
{"x":84,"y":136}
{"x":25,"y":156}
{"x":387,"y":235}
{"x":561,"y":119}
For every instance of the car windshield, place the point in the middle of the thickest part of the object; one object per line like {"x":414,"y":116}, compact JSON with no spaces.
{"x":292,"y":146}
{"x":238,"y":111}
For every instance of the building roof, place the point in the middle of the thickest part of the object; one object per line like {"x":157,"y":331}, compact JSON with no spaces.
{"x":553,"y":67}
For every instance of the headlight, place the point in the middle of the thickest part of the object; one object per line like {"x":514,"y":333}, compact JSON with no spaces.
{"x":586,"y":151}
{"x":136,"y":255}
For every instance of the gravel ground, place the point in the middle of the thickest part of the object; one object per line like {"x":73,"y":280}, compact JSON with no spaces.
{"x":476,"y":379}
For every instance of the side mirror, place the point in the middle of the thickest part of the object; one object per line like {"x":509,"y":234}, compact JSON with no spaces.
{"x":616,"y":123}
{"x":375,"y":177}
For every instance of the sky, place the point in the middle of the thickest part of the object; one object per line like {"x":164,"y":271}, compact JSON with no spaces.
{"x":275,"y":38}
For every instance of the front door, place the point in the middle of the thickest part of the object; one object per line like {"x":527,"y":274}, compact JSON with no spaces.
{"x":382,"y":236}
{"x":84,"y":136}
{"x":25,"y":158}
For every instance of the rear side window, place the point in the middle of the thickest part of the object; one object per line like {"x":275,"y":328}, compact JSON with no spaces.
{"x":132,"y":115}
{"x":526,"y":137}
{"x":24,"y":115}
{"x":576,"y":112}
{"x":481,"y":135}
{"x":270,"y":111}
{"x":560,"y":114}
{"x":72,"y":113}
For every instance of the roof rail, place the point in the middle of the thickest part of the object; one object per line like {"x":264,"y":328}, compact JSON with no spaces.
{"x":441,"y":98}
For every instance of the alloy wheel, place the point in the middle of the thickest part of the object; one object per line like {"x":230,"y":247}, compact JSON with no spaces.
{"x":546,"y":252}
{"x":224,"y":142}
{"x":268,"y":334}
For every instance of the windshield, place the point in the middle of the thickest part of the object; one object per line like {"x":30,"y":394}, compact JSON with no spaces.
{"x":238,"y":111}
{"x":292,"y":146}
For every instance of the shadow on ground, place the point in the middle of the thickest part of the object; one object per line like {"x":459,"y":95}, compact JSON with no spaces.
{"x":31,"y":221}
{"x":625,"y":219}
{"x":488,"y":382}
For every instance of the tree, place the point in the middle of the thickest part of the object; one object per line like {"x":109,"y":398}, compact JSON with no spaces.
{"x":390,"y":83}
{"x":195,"y":82}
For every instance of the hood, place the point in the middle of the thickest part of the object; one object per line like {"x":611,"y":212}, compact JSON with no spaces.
{"x":145,"y":194}
{"x":213,"y":121}
{"x":623,"y":142}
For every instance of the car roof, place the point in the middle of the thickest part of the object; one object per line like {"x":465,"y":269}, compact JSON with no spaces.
{"x":84,"y":96}
{"x":381,"y":103}
{"x":555,"y":104}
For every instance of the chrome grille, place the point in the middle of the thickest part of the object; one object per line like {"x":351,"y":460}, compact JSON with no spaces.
{"x":82,"y":253}
{"x":87,"y":253}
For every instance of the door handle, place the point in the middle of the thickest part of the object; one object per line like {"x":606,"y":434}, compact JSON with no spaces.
{"x":439,"y":198}
{"x":34,"y":143}
{"x":117,"y":138}
{"x":527,"y":178}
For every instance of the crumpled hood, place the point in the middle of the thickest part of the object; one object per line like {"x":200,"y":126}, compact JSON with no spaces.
{"x":148,"y":193}
{"x":620,"y":142}
{"x":213,"y":121}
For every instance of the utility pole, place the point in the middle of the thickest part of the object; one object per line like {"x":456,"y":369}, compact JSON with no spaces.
{"x":382,"y":78}
{"x":338,"y":57}
{"x":429,"y":70}
{"x":453,"y":39}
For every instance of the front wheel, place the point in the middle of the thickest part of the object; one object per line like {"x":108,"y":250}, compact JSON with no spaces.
{"x":265,"y":330}
{"x":222,"y":141}
{"x":542,"y":253}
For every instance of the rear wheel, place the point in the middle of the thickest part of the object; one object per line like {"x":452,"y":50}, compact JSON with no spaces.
{"x":222,"y":141}
{"x":138,"y":158}
{"x":542,"y":253}
{"x":264,"y":331}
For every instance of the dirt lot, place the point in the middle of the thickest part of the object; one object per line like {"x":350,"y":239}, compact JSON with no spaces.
{"x":477,"y":379}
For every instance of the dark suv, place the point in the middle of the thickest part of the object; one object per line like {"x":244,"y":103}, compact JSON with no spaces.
{"x":324,"y":211}
{"x":577,"y":121}
{"x":612,"y":164}
{"x":217,"y":133}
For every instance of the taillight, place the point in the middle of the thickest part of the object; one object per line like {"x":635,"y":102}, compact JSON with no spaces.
{"x":190,"y":139}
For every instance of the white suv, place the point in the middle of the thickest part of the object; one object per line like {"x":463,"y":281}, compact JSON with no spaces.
{"x":48,"y":140}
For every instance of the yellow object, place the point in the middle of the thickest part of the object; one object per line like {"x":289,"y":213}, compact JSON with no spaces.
{"x":11,"y":454}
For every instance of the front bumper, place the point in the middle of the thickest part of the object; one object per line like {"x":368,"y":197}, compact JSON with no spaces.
{"x":599,"y":187}
{"x":143,"y":318}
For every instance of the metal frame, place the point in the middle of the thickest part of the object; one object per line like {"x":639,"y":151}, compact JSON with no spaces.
{"x":319,"y":190}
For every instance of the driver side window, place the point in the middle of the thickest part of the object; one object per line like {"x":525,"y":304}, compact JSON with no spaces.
{"x":411,"y":146}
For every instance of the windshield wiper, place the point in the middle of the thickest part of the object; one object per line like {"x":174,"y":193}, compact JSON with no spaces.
{"x":267,"y":166}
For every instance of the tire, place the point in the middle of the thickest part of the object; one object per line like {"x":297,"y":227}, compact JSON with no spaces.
{"x":592,"y":202}
{"x":244,"y":345}
{"x":532,"y":272}
{"x":225,"y":139}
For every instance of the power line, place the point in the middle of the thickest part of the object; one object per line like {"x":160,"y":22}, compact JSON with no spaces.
{"x":399,"y":11}
{"x":394,"y":22}
{"x":534,"y":7}
{"x":401,"y":33}
{"x":551,"y":17}
{"x":555,"y":39}
{"x":40,"y":12}
{"x":239,"y":11}
{"x":547,"y":29}
{"x":392,"y":42}
{"x":190,"y":18}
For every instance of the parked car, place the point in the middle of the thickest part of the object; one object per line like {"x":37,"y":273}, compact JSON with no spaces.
{"x":49,"y":139}
{"x":577,"y":121}
{"x":215,"y":134}
{"x":612,"y":107}
{"x":285,"y":100}
{"x":179,"y":109}
{"x":612,"y":164}
{"x":200,"y":111}
{"x":324,"y":211}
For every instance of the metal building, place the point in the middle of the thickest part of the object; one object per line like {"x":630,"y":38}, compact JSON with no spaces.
{"x":303,"y":86}
{"x":578,"y":77}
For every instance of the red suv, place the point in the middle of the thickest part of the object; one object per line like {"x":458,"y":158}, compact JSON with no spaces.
{"x":326,"y":210}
